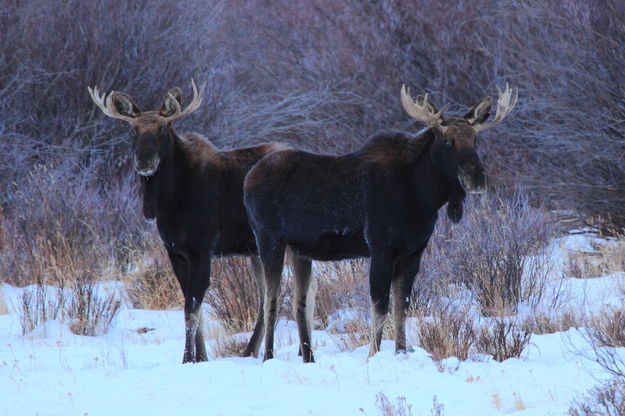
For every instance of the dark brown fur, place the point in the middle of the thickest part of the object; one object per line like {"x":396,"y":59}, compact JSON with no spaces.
{"x":194,"y":192}
{"x":381,"y":201}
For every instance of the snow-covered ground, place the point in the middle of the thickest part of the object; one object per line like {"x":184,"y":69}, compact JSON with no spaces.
{"x":131,"y":372}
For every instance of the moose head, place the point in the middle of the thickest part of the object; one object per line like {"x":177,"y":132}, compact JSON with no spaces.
{"x":454,"y":146}
{"x":151,"y":129}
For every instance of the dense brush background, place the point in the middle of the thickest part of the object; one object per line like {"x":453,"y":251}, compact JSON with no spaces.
{"x":319,"y":75}
{"x":316,"y":74}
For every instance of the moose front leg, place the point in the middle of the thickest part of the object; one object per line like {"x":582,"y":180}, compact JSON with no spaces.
{"x":405,"y":271}
{"x":199,"y":274}
{"x":380,"y":272}
{"x":193,"y":274}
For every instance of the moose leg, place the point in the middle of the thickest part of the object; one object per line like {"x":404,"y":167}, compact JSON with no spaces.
{"x":405,"y":271}
{"x":380,"y":272}
{"x":272,"y":256}
{"x":193,"y":275}
{"x":199,"y":278}
{"x":180,"y":264}
{"x":303,"y":311}
{"x":253,"y":346}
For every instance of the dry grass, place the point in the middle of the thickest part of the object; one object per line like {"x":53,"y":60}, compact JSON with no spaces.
{"x":542,"y":323}
{"x":4,"y":309}
{"x":518,"y":402}
{"x":448,"y":333}
{"x":387,"y":408}
{"x":605,"y":259}
{"x":605,"y":400}
{"x":65,"y":288}
{"x":151,"y":284}
{"x":342,"y":285}
{"x":221,"y":343}
{"x":608,"y":328}
{"x":502,"y":339}
{"x":353,"y":333}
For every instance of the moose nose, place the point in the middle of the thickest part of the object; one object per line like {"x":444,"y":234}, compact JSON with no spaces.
{"x":473,"y":179}
{"x":146,"y":166}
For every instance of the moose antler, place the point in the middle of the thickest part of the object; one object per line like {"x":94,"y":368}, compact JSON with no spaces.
{"x":193,"y":105}
{"x":422,"y":110}
{"x":106,"y":104}
{"x":108,"y":107}
{"x":505,"y":103}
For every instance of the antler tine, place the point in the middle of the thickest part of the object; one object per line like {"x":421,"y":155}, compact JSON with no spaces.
{"x":505,"y":103}
{"x":106,"y":103}
{"x":422,"y":111}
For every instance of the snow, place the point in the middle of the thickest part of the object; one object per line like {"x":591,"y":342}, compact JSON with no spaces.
{"x":51,"y":371}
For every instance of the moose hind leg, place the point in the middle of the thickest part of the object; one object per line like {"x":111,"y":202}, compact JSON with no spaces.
{"x":381,"y":269}
{"x":272,"y":256}
{"x":303,"y":310}
{"x":253,"y":346}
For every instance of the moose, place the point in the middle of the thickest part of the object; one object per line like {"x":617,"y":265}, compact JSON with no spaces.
{"x":381,"y":202}
{"x":195,"y":194}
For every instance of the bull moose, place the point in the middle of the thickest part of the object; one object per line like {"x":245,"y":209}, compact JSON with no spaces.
{"x":195,"y":194}
{"x":381,"y":202}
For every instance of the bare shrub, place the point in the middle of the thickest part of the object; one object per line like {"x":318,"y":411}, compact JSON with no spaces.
{"x":59,"y":220}
{"x":66,"y":289}
{"x":450,"y":332}
{"x":232,"y":294}
{"x":437,"y":408}
{"x":604,"y":333}
{"x":38,"y":306}
{"x":605,"y":400}
{"x":499,"y":252}
{"x":88,"y":312}
{"x":151,"y":284}
{"x":502,"y":339}
{"x":387,"y":408}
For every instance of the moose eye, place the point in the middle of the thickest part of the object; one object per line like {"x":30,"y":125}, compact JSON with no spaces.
{"x":447,"y":143}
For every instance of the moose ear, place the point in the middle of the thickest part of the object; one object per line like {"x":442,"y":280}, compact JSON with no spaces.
{"x":125,"y":105}
{"x":172,"y":102}
{"x":479,"y":113}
